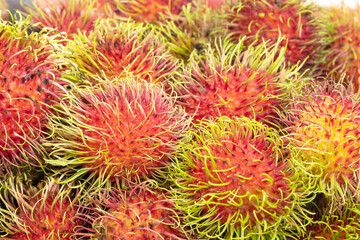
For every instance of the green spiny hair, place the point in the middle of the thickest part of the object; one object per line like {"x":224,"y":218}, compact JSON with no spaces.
{"x":234,"y":181}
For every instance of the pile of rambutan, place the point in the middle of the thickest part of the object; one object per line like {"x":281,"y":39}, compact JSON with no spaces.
{"x":179,"y":119}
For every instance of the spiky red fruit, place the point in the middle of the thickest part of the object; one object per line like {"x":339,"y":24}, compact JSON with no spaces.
{"x":269,"y":19}
{"x":69,"y":16}
{"x":114,"y":47}
{"x":47,"y":212}
{"x":324,"y":125}
{"x":231,"y":83}
{"x":29,"y":85}
{"x":149,"y":10}
{"x":234,"y":180}
{"x":138,"y":214}
{"x":343,"y":26}
{"x":124,"y":130}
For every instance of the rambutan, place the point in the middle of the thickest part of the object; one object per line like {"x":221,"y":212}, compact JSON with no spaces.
{"x":29,"y":85}
{"x":123,"y":130}
{"x":324,"y":127}
{"x":151,"y":11}
{"x":140,"y":213}
{"x":234,"y":181}
{"x":269,"y":19}
{"x":342,"y":25}
{"x":48,"y":211}
{"x":228,"y":82}
{"x":114,"y":47}
{"x":67,"y":16}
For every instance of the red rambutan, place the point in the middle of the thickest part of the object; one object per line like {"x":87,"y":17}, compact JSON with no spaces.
{"x":29,"y":85}
{"x":234,"y":181}
{"x":269,"y":19}
{"x":49,"y":211}
{"x":68,"y":16}
{"x":125,"y":130}
{"x":139,"y":214}
{"x":231,"y":83}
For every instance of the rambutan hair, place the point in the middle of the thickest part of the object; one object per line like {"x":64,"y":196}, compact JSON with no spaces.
{"x":115,"y":48}
{"x":323,"y":125}
{"x":119,"y":130}
{"x":46,"y":211}
{"x":227,"y":81}
{"x":234,"y":181}
{"x":269,"y":19}
{"x":67,"y":16}
{"x":30,"y":69}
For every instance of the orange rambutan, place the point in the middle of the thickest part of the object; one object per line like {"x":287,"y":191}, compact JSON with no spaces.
{"x":29,"y":86}
{"x":324,"y":126}
{"x":270,"y":19}
{"x":234,"y":181}
{"x":114,"y":48}
{"x":229,"y":82}
{"x":48,"y":211}
{"x":122,"y":130}
{"x":137,"y":214}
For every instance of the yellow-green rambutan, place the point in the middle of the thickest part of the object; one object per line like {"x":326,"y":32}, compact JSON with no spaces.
{"x":230,"y":82}
{"x":268,"y":19}
{"x":324,"y":127}
{"x":67,"y":16}
{"x":114,"y":48}
{"x":46,"y":211}
{"x":123,"y":130}
{"x":234,"y":181}
{"x":29,"y":85}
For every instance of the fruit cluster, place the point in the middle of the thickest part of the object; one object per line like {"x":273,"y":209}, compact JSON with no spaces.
{"x":179,"y":119}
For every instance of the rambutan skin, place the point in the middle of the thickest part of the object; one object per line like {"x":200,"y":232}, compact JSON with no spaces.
{"x":267,"y":20}
{"x":136,"y":214}
{"x":234,"y":181}
{"x":125,"y":130}
{"x":231,"y":82}
{"x":324,"y":127}
{"x":114,"y":48}
{"x":29,"y":85}
{"x":48,"y":211}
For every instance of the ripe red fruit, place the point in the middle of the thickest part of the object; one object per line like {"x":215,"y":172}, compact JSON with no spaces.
{"x":29,"y":85}
{"x":268,"y":19}
{"x":50,"y":211}
{"x":138,"y":214}
{"x":230,"y":83}
{"x":125,"y":130}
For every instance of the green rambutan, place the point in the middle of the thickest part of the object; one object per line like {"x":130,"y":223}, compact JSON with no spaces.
{"x":324,"y":127}
{"x":342,"y":25}
{"x":48,"y":211}
{"x":140,"y":213}
{"x":29,"y":85}
{"x":270,"y":19}
{"x":67,"y":16}
{"x":229,"y":82}
{"x":151,"y":11}
{"x":114,"y":47}
{"x":234,"y":181}
{"x":123,"y":130}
